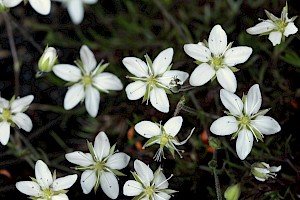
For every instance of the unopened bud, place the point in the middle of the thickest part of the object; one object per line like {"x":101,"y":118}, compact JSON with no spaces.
{"x":262,"y":171}
{"x":48,"y":59}
{"x":233,"y":192}
{"x":214,"y":142}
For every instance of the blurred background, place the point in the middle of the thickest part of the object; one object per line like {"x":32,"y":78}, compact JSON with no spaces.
{"x":117,"y":29}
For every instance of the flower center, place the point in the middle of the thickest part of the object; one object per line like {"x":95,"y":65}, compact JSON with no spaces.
{"x":281,"y":25}
{"x":87,"y":80}
{"x":151,"y":80}
{"x":217,"y":62}
{"x":6,"y":114}
{"x":99,"y":166}
{"x":48,"y":193}
{"x":149,"y":191}
{"x":164,"y":140}
{"x":245,"y":120}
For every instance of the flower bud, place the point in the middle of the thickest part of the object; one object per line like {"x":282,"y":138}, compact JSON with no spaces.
{"x":233,"y":192}
{"x":262,"y":171}
{"x":48,"y":59}
{"x":214,"y":142}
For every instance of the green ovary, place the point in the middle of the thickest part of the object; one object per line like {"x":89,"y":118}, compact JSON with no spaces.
{"x":99,"y":166}
{"x":217,"y":62}
{"x":6,"y":114}
{"x":149,"y":191}
{"x":87,"y":80}
{"x":164,"y":140}
{"x":245,"y":120}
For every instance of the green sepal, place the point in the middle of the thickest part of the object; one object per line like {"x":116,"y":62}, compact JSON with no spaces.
{"x":172,"y":151}
{"x":13,"y":98}
{"x":168,"y":91}
{"x":91,"y":150}
{"x":97,"y":184}
{"x":169,"y":67}
{"x":198,"y":62}
{"x":293,"y":18}
{"x":256,"y":133}
{"x":140,"y":196}
{"x":117,"y":172}
{"x":137,"y":178}
{"x":156,"y":173}
{"x":284,"y":12}
{"x":148,"y":60}
{"x":68,"y":84}
{"x":33,"y":179}
{"x":101,"y":90}
{"x":112,"y":150}
{"x":271,"y":16}
{"x":262,"y":112}
{"x":54,"y":175}
{"x":234,"y":135}
{"x":151,"y":141}
{"x":228,"y":113}
{"x":147,"y":93}
{"x":168,"y":191}
{"x":79,"y":64}
{"x":234,"y":69}
{"x":100,"y":68}
{"x":213,"y":78}
{"x":205,"y":43}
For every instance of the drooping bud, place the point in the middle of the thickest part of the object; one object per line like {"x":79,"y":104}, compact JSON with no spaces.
{"x":262,"y":171}
{"x":233,"y":192}
{"x":47,"y":60}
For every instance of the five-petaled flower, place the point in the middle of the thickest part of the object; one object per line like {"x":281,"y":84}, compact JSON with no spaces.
{"x":276,"y":28}
{"x":41,"y":6}
{"x":216,"y":59}
{"x":87,"y":80}
{"x":45,"y":186}
{"x":164,"y":135}
{"x":153,"y":80}
{"x":100,"y":166}
{"x":148,"y":185}
{"x":244,"y":120}
{"x":262,"y":171}
{"x":11,"y":113}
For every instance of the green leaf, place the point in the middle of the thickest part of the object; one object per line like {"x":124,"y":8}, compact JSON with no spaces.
{"x":291,"y":57}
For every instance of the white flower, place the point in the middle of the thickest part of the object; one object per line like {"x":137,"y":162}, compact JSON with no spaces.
{"x":88,"y":79}
{"x":41,"y":6}
{"x":100,"y":166}
{"x":11,"y":114}
{"x":147,"y":185}
{"x":76,"y":8}
{"x":47,"y":60}
{"x":244,"y":120}
{"x":45,"y":186}
{"x":164,"y":135}
{"x":276,"y":28}
{"x":153,"y":80}
{"x":262,"y":171}
{"x":216,"y":59}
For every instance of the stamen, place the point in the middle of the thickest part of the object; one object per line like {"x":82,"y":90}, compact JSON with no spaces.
{"x":158,"y":154}
{"x":165,"y":181}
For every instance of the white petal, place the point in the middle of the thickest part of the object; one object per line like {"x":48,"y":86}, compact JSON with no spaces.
{"x":41,"y":6}
{"x":80,"y":158}
{"x":159,"y":99}
{"x":3,"y":103}
{"x":143,"y":171}
{"x":224,"y":126}
{"x":136,"y":66}
{"x":76,"y":11}
{"x":132,"y":188}
{"x":89,"y":1}
{"x":173,"y":125}
{"x":275,"y":37}
{"x":67,"y":72}
{"x":92,"y":100}
{"x":4,"y":132}
{"x":160,"y":181}
{"x":259,"y":179}
{"x":275,"y":169}
{"x":20,"y":104}
{"x":266,"y":125}
{"x":118,"y":161}
{"x":29,"y":188}
{"x":162,"y":195}
{"x":22,"y":121}
{"x":109,"y":185}
{"x":88,"y":59}
{"x":253,"y":100}
{"x":232,"y":102}
{"x":261,"y":27}
{"x":136,"y":90}
{"x":147,"y":129}
{"x":88,"y":181}
{"x":43,"y":174}
{"x":162,"y":61}
{"x":244,"y":143}
{"x":60,"y":197}
{"x":64,"y":182}
{"x":217,"y":40}
{"x":11,"y":3}
{"x":290,"y":29}
{"x":237,"y":55}
{"x":227,"y":79}
{"x":202,"y":74}
{"x":198,"y":52}
{"x":170,"y":75}
{"x":73,"y":96}
{"x":101,"y":145}
{"x":107,"y":81}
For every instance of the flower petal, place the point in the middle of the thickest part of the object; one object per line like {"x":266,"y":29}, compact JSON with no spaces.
{"x":43,"y":175}
{"x":162,"y":195}
{"x":217,"y":40}
{"x":198,"y":52}
{"x":224,"y":126}
{"x":136,"y":90}
{"x":89,"y":1}
{"x":173,"y":125}
{"x":159,"y":99}
{"x":107,"y":81}
{"x":253,"y":100}
{"x":290,"y":29}
{"x":88,"y":181}
{"x":80,"y":158}
{"x":162,"y":61}
{"x":76,"y":11}
{"x":4,"y":132}
{"x":21,"y":104}
{"x":118,"y":161}
{"x":41,"y":6}
{"x":244,"y":143}
{"x":275,"y":169}
{"x":275,"y":37}
{"x":101,"y":145}
{"x":92,"y":100}
{"x":11,"y":3}
{"x":261,"y":27}
{"x":161,"y":182}
{"x":88,"y":59}
{"x":132,"y":188}
{"x":64,"y":182}
{"x":109,"y":184}
{"x":227,"y":79}
{"x":60,"y":197}
{"x":23,"y":121}
{"x":147,"y":129}
{"x":266,"y":125}
{"x":144,"y":172}
{"x":237,"y":55}
{"x":73,"y":96}
{"x":29,"y":188}
{"x":232,"y":102}
{"x":170,"y":75}
{"x":67,"y":72}
{"x":3,"y":104}
{"x":202,"y":74}
{"x":136,"y":66}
